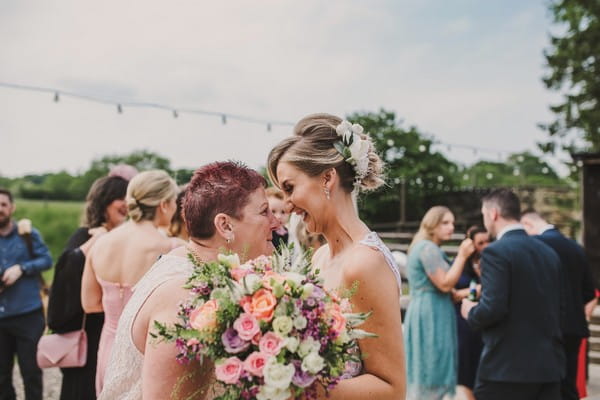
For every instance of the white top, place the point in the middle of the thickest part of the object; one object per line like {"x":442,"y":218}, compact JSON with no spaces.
{"x":123,"y":379}
{"x":546,"y":228}
{"x":374,"y":241}
{"x":508,"y":228}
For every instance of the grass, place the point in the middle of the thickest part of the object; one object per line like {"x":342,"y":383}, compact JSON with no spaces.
{"x":55,"y":220}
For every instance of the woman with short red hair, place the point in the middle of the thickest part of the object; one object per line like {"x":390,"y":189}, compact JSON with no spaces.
{"x":225,"y":208}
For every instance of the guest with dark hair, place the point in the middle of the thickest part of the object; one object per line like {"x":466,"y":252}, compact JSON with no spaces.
{"x":579,"y":290}
{"x":522,"y":356}
{"x":105,"y":209}
{"x":469,"y":340}
{"x":24,"y":255}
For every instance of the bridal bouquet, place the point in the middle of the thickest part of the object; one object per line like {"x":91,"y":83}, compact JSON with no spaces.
{"x":271,"y":329}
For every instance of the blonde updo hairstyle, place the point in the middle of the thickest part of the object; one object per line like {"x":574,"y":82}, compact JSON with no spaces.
{"x":145,"y":192}
{"x":311,"y":150}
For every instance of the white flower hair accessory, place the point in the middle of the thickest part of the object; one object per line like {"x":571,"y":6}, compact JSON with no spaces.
{"x":353,"y":148}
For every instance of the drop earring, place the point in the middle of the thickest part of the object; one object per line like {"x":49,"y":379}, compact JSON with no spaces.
{"x":326,"y":193}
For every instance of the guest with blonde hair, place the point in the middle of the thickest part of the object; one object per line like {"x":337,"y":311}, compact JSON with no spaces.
{"x":430,"y":323}
{"x":121,"y":257}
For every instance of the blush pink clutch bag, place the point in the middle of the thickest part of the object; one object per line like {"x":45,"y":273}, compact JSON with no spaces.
{"x":65,"y":350}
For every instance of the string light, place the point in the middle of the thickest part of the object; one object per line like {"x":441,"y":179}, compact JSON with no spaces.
{"x":176,"y":111}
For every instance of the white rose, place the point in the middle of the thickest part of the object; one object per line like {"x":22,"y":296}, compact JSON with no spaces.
{"x":307,"y":290}
{"x":283,"y":325}
{"x":357,"y":128}
{"x":343,"y":127}
{"x":343,"y":338}
{"x":362,"y":166}
{"x":292,"y":344}
{"x":300,"y":322}
{"x":252,"y":283}
{"x":273,"y":393}
{"x":308,"y":345}
{"x":278,"y":375}
{"x":313,"y":363}
{"x":24,"y":226}
{"x":359,"y":148}
{"x":294,"y":278}
{"x":230,"y":260}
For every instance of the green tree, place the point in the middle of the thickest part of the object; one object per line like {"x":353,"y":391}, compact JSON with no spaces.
{"x":520,"y":169}
{"x":573,"y":60}
{"x":412,"y":166}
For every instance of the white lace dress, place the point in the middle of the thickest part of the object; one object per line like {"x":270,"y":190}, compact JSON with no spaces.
{"x":123,"y":379}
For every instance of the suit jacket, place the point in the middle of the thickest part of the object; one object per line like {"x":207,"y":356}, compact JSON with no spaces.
{"x":519,"y":311}
{"x":578,"y":281}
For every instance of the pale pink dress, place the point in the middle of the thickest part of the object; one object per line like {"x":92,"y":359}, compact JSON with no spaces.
{"x":114,"y":298}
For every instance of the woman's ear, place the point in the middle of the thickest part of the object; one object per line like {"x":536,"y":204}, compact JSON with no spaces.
{"x":224,"y":227}
{"x":330,"y":178}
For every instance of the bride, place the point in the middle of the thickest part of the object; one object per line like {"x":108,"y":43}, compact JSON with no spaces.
{"x":319,"y":169}
{"x":225,"y":208}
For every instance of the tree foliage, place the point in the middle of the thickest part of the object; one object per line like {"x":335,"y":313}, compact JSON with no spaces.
{"x":573,"y":60}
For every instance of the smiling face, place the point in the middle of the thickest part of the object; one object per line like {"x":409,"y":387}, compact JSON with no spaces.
{"x":444,"y":230}
{"x":253,"y":231}
{"x":304,"y":196}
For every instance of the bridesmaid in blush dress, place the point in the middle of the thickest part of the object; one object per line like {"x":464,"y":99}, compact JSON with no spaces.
{"x":121,"y":257}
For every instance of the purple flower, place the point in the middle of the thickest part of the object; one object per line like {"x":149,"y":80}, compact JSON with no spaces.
{"x":318,"y":292}
{"x":302,"y":379}
{"x":232,"y":342}
{"x":311,"y":302}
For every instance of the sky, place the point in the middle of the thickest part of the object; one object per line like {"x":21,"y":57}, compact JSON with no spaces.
{"x":463,"y":71}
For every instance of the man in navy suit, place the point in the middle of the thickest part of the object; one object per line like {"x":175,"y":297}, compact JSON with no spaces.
{"x":520,"y":309}
{"x":578,"y":289}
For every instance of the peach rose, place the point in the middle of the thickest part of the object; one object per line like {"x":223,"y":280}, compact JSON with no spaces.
{"x":272,"y":275}
{"x":263,"y":305}
{"x":337,"y":319}
{"x":238,"y":273}
{"x":205,"y":316}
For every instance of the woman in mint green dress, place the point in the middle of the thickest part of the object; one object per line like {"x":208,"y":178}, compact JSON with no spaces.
{"x":430,"y":323}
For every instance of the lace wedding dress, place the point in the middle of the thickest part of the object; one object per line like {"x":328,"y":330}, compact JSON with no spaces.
{"x":123,"y":379}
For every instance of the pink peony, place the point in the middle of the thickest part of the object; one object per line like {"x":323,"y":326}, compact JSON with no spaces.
{"x":230,"y":370}
{"x":270,"y":344}
{"x":246,"y":326}
{"x":255,"y":363}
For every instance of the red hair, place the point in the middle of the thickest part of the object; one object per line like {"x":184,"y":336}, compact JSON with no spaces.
{"x":220,"y":187}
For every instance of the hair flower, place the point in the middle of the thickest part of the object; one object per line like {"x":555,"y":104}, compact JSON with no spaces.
{"x":353,"y":148}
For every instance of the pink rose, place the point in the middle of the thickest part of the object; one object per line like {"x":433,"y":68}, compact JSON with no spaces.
{"x":246,"y":326}
{"x":257,"y":338}
{"x":229,"y":371}
{"x":270,"y":344}
{"x":238,"y":273}
{"x":255,"y":363}
{"x":205,"y":316}
{"x":246,"y":303}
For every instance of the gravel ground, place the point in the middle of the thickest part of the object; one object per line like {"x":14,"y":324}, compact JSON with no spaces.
{"x":52,"y":379}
